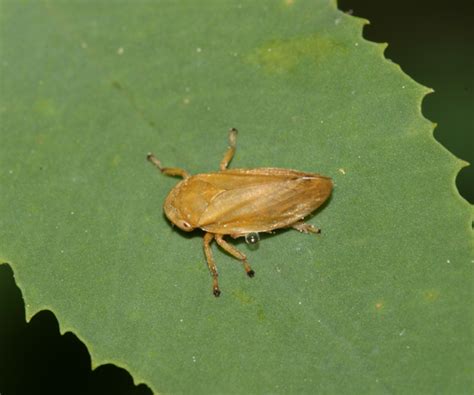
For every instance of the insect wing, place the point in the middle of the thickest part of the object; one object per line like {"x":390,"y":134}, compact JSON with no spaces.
{"x":259,"y":200}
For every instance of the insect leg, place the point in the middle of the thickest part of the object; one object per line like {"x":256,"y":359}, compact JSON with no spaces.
{"x":231,"y":150}
{"x":236,"y":253}
{"x":211,"y":263}
{"x":303,"y":227}
{"x":169,"y":171}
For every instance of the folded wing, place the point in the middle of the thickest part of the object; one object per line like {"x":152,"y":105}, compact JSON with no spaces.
{"x":259,"y":200}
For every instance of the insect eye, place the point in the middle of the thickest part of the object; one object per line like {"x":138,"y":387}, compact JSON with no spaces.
{"x":186,"y":226}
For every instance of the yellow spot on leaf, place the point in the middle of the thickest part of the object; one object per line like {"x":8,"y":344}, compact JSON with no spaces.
{"x":242,"y":297}
{"x":280,"y":56}
{"x":39,"y":139}
{"x":45,"y":107}
{"x":431,"y":295}
{"x":379,"y":306}
{"x":116,"y":160}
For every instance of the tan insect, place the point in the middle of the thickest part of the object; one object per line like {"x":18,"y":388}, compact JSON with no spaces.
{"x":242,"y":202}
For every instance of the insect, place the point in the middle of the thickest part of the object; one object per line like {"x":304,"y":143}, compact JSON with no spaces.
{"x":242,"y":203}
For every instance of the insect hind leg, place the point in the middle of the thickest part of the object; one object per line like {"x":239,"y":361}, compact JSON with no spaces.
{"x":211,"y":263}
{"x":303,"y":227}
{"x":235,"y":253}
{"x":231,"y":150}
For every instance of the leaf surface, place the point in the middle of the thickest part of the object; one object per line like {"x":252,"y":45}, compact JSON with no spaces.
{"x":380,"y":302}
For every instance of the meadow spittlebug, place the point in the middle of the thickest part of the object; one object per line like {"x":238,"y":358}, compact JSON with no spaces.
{"x":242,"y":202}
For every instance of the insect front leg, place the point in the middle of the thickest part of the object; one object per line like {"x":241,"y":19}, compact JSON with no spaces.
{"x":169,"y":171}
{"x":303,"y":227}
{"x":211,"y":263}
{"x":236,"y":253}
{"x":231,"y":150}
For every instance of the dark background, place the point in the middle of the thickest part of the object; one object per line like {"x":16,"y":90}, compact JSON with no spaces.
{"x":431,"y":42}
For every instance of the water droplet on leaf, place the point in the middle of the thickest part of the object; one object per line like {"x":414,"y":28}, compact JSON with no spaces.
{"x":252,"y":238}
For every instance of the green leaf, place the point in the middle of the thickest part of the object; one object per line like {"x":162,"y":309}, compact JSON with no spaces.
{"x":380,"y":302}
